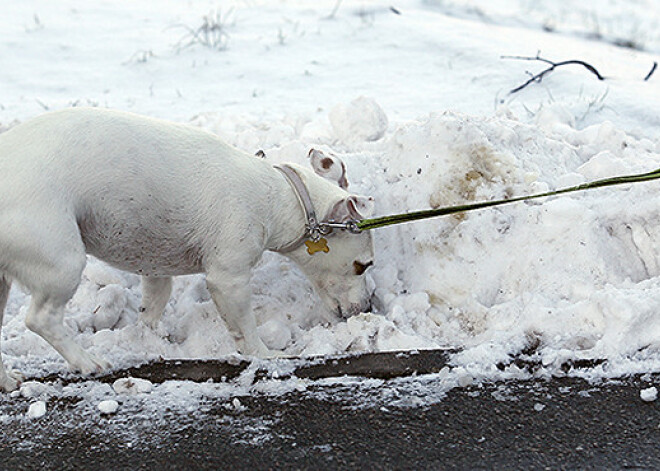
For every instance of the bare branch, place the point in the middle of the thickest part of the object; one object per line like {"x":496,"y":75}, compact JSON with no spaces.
{"x":42,"y":104}
{"x":648,"y":76}
{"x":553,"y":65}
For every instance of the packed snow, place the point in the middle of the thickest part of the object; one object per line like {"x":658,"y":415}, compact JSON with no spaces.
{"x":649,"y":394}
{"x":109,"y":406}
{"x":36,"y":410}
{"x":416,"y":101}
{"x":132,"y":386}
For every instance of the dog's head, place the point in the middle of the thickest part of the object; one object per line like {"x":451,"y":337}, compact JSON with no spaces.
{"x":340,"y":275}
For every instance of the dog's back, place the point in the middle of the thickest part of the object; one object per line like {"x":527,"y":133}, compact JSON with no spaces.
{"x":144,"y":195}
{"x":138,"y":189}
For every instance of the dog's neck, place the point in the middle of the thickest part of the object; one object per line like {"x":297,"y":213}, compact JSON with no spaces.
{"x":287,"y":223}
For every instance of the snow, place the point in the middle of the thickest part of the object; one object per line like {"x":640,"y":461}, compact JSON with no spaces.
{"x":360,"y":120}
{"x":236,"y":404}
{"x":132,"y":386}
{"x":34,"y":390}
{"x":649,"y":394}
{"x":275,"y":334}
{"x":418,"y":106}
{"x":36,"y":410}
{"x":108,"y":407}
{"x":632,"y":24}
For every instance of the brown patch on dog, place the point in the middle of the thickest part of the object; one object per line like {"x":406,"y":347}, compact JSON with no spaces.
{"x":326,"y":162}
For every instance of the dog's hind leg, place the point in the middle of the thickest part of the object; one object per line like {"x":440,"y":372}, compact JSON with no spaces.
{"x":156,"y":291}
{"x":46,"y":318}
{"x":8,"y":380}
{"x":49,"y":262}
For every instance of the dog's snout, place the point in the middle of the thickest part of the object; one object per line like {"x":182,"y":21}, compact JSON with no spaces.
{"x":354,"y":309}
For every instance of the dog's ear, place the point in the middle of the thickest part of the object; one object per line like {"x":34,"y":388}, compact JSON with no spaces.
{"x":352,"y":207}
{"x":329,"y":167}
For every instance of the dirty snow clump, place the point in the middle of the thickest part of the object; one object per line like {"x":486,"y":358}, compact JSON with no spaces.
{"x":132,"y":386}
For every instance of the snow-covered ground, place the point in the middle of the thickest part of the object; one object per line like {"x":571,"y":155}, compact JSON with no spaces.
{"x":576,"y":276}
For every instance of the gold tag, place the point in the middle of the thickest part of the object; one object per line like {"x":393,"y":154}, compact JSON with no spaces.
{"x":320,"y":246}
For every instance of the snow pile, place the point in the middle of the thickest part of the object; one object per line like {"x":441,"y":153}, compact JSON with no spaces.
{"x":586,"y":283}
{"x":586,"y":279}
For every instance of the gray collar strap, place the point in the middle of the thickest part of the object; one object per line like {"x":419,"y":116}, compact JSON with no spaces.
{"x":314,"y":229}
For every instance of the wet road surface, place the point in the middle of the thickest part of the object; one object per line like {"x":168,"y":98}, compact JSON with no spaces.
{"x":562,"y":423}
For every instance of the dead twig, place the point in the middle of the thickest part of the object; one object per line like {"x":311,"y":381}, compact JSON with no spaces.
{"x":648,"y":76}
{"x":334,"y":11}
{"x":553,"y":65}
{"x":42,"y":104}
{"x":212,"y":33}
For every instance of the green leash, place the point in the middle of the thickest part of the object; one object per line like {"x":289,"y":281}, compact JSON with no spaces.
{"x":374,"y":223}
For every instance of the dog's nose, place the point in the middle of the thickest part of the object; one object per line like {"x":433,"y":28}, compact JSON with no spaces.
{"x":355,"y":308}
{"x":350,"y":310}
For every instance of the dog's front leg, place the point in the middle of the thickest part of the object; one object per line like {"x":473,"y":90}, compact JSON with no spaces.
{"x":156,"y":291}
{"x":50,"y":262}
{"x":231,"y":294}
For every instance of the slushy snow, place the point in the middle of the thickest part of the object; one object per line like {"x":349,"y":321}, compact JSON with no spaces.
{"x":417,"y":105}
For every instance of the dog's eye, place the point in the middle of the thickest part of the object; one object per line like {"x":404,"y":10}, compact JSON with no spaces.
{"x":359,"y":267}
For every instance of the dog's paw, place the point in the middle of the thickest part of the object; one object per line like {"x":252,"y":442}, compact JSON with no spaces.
{"x":89,"y":364}
{"x":149,"y":320}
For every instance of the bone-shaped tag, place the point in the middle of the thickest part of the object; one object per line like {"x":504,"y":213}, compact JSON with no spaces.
{"x":319,"y":246}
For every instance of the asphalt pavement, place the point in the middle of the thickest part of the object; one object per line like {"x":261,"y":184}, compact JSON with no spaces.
{"x":560,"y":423}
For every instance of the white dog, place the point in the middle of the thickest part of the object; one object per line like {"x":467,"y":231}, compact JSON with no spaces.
{"x":161,"y":199}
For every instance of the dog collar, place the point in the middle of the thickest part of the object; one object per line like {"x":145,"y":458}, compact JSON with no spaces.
{"x":315,"y":230}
